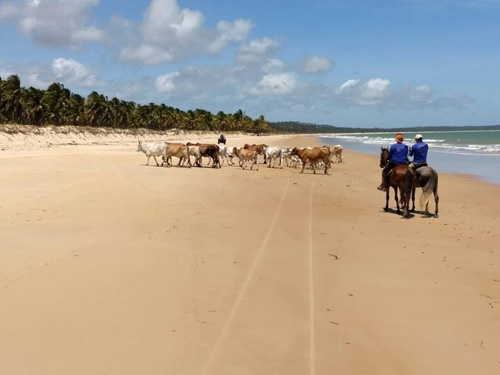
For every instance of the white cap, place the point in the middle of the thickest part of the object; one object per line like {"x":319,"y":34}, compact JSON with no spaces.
{"x":418,"y":136}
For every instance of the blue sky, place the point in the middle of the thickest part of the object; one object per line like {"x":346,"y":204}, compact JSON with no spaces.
{"x":344,"y":63}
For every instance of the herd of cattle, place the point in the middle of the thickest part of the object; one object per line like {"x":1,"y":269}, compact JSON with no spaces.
{"x":316,"y":157}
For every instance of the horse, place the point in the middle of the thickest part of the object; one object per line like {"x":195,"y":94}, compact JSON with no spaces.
{"x":400,"y":178}
{"x":427,"y":178}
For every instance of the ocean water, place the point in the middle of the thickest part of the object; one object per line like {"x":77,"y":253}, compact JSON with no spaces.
{"x":474,"y":152}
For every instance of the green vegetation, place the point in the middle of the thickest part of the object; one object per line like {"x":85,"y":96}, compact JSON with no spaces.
{"x":58,"y":106}
{"x":305,"y":128}
{"x":295,"y":127}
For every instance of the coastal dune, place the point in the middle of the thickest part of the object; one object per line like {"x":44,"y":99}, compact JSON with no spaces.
{"x":108,"y":266}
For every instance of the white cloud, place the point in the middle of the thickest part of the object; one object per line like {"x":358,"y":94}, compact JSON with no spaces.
{"x":316,"y":64}
{"x":349,"y":84}
{"x":35,"y":81}
{"x":229,"y":32}
{"x":147,"y":54}
{"x":273,"y":66}
{"x":138,"y":91}
{"x":165,"y":83}
{"x":275,"y":84}
{"x":8,"y":9}
{"x":54,"y":22}
{"x":257,"y":51}
{"x":6,"y":70}
{"x":71,"y":71}
{"x":169,"y":33}
{"x":374,"y":91}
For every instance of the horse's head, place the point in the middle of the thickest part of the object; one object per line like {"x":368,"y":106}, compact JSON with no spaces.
{"x":384,"y":155}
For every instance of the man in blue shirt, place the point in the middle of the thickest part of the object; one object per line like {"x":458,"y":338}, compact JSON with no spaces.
{"x":398,"y":154}
{"x":419,"y":152}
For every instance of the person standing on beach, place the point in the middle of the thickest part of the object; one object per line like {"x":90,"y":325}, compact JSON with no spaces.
{"x":398,"y":154}
{"x":419,"y":153}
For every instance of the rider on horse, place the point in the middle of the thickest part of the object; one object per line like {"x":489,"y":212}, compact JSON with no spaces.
{"x":398,"y":154}
{"x":221,"y":139}
{"x":419,"y":152}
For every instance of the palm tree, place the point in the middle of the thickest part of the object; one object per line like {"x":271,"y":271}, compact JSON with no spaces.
{"x":237,"y":117}
{"x":10,"y":100}
{"x":95,"y":109}
{"x":74,"y":111}
{"x":55,"y":101}
{"x":34,"y":108}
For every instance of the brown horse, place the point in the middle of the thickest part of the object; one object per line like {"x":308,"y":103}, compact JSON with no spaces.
{"x":427,"y":178}
{"x":400,"y":178}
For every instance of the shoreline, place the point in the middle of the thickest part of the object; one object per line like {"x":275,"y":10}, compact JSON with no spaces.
{"x":37,"y":141}
{"x":112,"y":267}
{"x":483,"y":167}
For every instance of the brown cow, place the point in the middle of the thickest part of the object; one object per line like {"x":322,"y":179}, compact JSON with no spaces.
{"x":313,"y":156}
{"x":178,"y":150}
{"x":208,"y":150}
{"x":259,"y":148}
{"x":244,"y":155}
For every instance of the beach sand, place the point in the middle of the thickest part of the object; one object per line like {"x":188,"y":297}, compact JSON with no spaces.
{"x":108,"y":266}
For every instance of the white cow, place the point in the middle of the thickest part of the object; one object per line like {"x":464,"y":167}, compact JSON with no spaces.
{"x":154,"y":150}
{"x":287,"y":155}
{"x":272,"y":154}
{"x":226,"y":153}
{"x":194,"y":150}
{"x":292,"y":161}
{"x":336,"y":151}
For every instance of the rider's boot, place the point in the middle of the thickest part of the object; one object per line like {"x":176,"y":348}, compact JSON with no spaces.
{"x":384,"y":185}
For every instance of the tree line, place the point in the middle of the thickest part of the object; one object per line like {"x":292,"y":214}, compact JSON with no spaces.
{"x":308,"y":128}
{"x":59,"y":106}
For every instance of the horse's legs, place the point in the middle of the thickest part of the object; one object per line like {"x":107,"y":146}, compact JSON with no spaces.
{"x":436,"y":200}
{"x":397,"y":199}
{"x":386,"y":208}
{"x":413,"y":199}
{"x":406,"y":202}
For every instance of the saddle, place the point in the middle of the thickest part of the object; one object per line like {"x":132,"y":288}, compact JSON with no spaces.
{"x":418,"y":165}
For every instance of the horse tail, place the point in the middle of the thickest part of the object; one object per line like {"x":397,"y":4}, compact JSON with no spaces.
{"x":408,"y":185}
{"x":427,"y":190}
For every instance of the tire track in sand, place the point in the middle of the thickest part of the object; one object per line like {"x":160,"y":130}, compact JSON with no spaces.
{"x":312,"y":335}
{"x":236,"y":305}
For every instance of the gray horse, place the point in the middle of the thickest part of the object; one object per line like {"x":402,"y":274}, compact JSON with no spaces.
{"x":427,"y":179}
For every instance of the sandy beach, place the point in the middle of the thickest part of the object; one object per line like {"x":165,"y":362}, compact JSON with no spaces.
{"x":109,"y":266}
